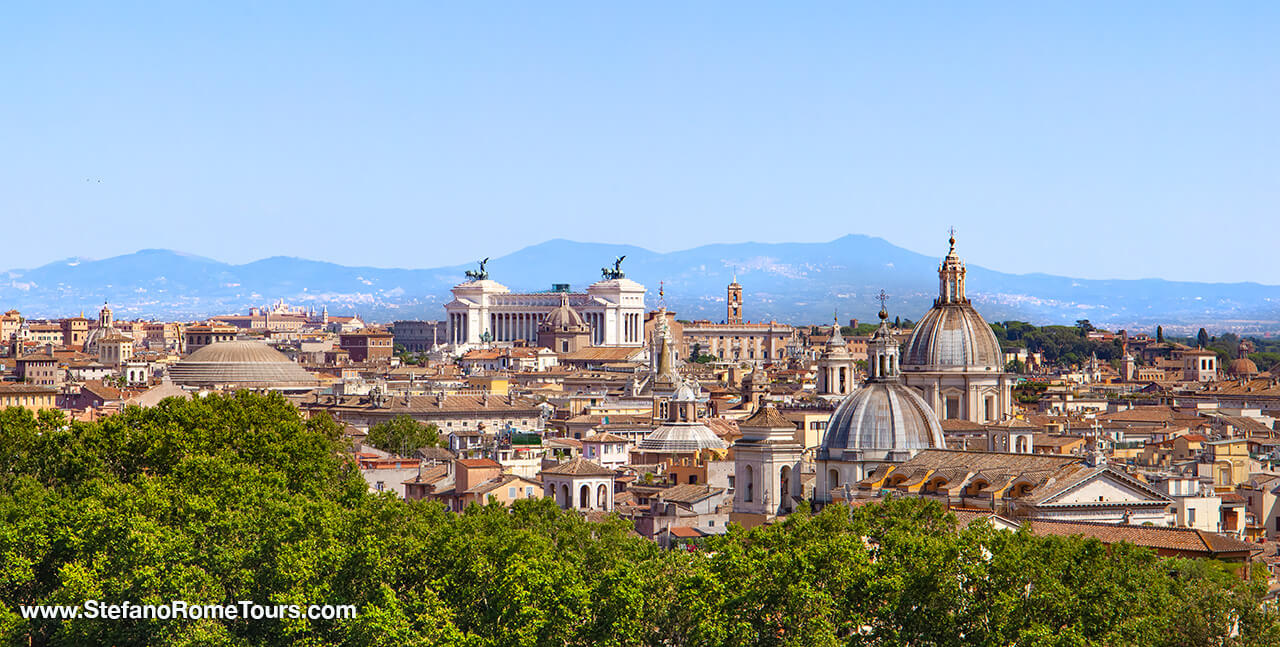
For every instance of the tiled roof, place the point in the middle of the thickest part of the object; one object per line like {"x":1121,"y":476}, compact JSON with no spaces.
{"x":957,"y":425}
{"x":497,"y":482}
{"x":478,"y":462}
{"x":1179,"y":539}
{"x":767,"y":417}
{"x":685,"y":532}
{"x":602,"y":354}
{"x":455,"y":403}
{"x":605,"y":438}
{"x":579,"y":467}
{"x":689,"y":493}
{"x":1140,"y":414}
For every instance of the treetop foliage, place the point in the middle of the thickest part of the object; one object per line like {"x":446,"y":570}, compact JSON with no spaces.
{"x":403,"y":435}
{"x":221,"y":499}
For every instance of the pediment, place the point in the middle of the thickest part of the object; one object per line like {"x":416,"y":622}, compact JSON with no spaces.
{"x":1106,"y":487}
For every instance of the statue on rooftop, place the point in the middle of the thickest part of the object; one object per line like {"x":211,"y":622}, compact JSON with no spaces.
{"x":478,"y":275}
{"x":616,"y":272}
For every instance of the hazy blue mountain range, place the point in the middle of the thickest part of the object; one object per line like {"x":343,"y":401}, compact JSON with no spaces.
{"x":789,"y":282}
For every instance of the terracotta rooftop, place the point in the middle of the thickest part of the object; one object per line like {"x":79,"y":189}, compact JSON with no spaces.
{"x":605,"y":438}
{"x":1180,"y":539}
{"x":579,"y":467}
{"x":689,"y":493}
{"x":685,"y":532}
{"x":478,"y":462}
{"x":767,"y":417}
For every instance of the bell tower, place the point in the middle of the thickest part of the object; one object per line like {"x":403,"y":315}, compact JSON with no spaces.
{"x":734,"y":300}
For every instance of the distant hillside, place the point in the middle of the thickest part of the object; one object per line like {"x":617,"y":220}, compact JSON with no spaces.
{"x":790,"y":282}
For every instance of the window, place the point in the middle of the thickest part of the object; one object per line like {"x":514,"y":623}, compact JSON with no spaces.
{"x":511,"y":493}
{"x":711,"y":523}
{"x":528,"y":491}
{"x":379,"y":486}
{"x":1191,"y":516}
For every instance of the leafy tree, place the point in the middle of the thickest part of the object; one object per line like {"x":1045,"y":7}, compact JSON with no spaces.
{"x":228,"y":498}
{"x":403,"y":435}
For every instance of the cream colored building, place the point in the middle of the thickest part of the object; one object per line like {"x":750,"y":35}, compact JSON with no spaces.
{"x":953,"y":359}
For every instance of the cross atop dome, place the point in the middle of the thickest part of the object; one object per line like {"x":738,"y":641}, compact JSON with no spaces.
{"x":883,"y":299}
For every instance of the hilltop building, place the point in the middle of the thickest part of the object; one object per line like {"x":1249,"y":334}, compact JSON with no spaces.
{"x":737,"y":340}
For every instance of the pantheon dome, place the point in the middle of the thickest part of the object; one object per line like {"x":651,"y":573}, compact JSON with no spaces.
{"x":241,"y":365}
{"x":882,"y":422}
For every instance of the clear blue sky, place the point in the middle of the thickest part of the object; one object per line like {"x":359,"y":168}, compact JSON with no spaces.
{"x":1089,"y":139}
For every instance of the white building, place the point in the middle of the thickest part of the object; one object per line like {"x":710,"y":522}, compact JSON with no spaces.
{"x":579,"y":484}
{"x":609,"y":450}
{"x":767,"y":466}
{"x":485,"y":309}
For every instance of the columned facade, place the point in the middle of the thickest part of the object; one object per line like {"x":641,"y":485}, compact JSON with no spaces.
{"x":613,"y":309}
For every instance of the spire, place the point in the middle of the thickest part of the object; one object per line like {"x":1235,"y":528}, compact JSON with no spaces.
{"x":882,"y":350}
{"x":951,"y":276}
{"x":836,"y":339}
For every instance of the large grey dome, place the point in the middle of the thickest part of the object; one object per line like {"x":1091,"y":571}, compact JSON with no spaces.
{"x":681,"y":438}
{"x":878,"y":420}
{"x":952,"y":335}
{"x":240,"y":364}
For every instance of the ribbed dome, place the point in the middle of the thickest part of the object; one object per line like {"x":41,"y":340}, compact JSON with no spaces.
{"x":237,"y":351}
{"x":880,"y":418}
{"x":564,"y":318}
{"x":952,"y":335}
{"x":1243,"y":367}
{"x":240,"y":364}
{"x":681,"y":438}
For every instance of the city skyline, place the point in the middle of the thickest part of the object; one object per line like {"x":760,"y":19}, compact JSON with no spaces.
{"x":1050,"y":138}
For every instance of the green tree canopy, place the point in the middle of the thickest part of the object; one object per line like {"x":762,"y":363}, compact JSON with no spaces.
{"x":403,"y":435}
{"x":220,"y":499}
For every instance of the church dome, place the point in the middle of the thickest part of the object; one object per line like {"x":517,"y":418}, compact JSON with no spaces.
{"x":681,"y":438}
{"x":878,"y":419}
{"x":1243,"y":367}
{"x":240,"y":364}
{"x":564,"y":317}
{"x":952,"y":334}
{"x":883,"y":420}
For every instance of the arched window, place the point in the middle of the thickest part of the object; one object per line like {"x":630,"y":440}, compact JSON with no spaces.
{"x":1022,"y":445}
{"x":784,"y":487}
{"x":749,"y":486}
{"x":584,"y":497}
{"x":565,"y":501}
{"x":602,"y":497}
{"x":833,"y":479}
